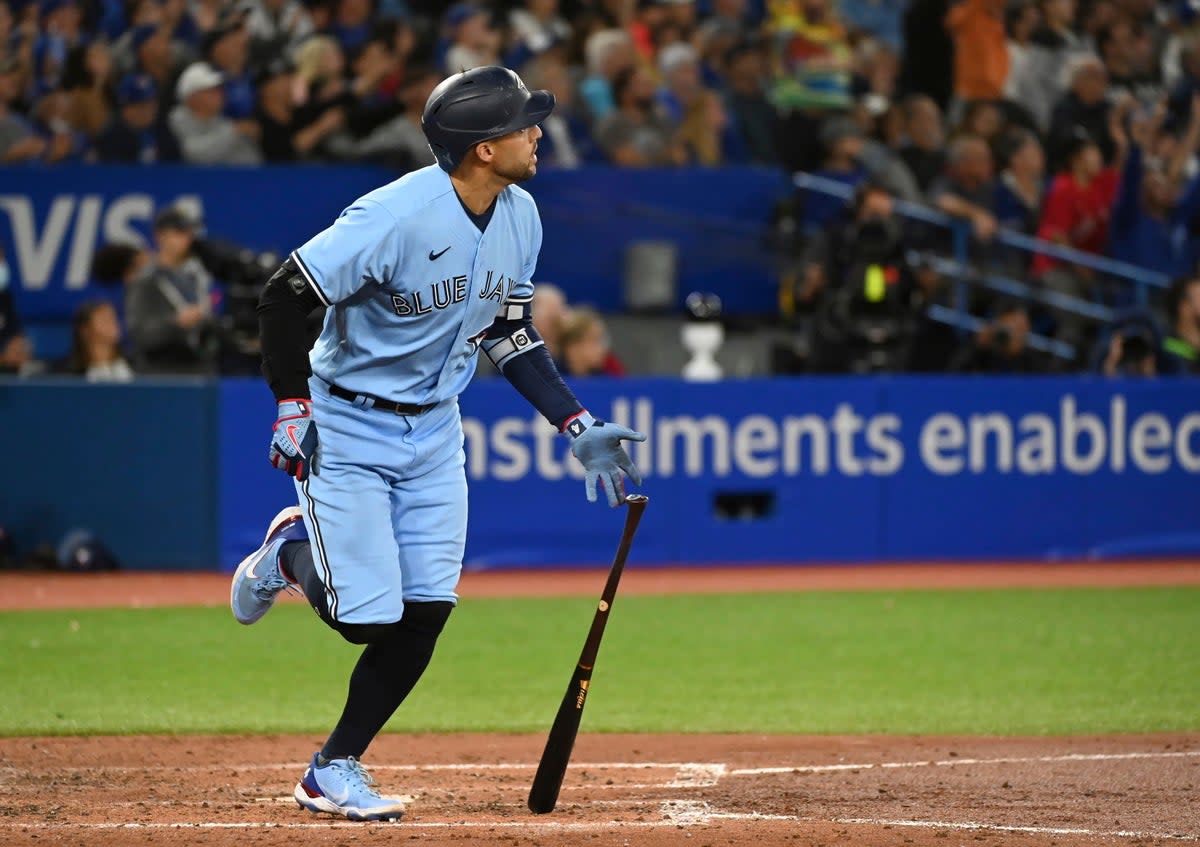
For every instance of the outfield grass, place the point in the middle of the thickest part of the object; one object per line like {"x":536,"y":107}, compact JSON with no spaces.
{"x":979,"y":662}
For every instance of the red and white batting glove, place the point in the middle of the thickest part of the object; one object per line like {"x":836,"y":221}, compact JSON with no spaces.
{"x":294,"y":444}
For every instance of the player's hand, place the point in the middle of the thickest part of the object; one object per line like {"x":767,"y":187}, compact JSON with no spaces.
{"x":294,"y":445}
{"x":597,"y":445}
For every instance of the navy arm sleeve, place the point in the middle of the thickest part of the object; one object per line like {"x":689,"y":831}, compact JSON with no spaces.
{"x":283,"y":313}
{"x":517,"y":350}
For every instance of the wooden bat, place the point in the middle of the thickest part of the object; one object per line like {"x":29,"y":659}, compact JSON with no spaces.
{"x":543,"y":794}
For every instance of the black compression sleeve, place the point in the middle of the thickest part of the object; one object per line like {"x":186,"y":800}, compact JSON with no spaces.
{"x":535,"y":376}
{"x":283,"y":313}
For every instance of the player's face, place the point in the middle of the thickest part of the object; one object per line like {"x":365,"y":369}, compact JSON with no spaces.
{"x":516,"y":154}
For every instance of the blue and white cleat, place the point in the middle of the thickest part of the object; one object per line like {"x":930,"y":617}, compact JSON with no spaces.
{"x":258,"y":579}
{"x":343,"y":787}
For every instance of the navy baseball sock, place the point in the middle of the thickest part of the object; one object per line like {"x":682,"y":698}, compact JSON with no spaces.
{"x":395,"y":656}
{"x":296,"y":561}
{"x":385,"y":674}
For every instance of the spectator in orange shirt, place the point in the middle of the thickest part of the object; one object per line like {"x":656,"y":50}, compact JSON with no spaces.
{"x":980,"y":49}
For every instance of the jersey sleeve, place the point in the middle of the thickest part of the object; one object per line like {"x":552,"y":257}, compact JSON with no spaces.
{"x":362,"y":245}
{"x":524,"y":286}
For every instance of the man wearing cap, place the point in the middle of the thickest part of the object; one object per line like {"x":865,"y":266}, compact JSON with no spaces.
{"x":150,"y":53}
{"x":168,"y":304}
{"x":418,"y":277}
{"x":206,"y":135}
{"x":135,"y":134}
{"x":474,"y":42}
{"x":679,"y":66}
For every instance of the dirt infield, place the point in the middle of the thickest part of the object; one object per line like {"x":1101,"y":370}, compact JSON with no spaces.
{"x":703,"y":790}
{"x":621,"y":789}
{"x":134,"y":589}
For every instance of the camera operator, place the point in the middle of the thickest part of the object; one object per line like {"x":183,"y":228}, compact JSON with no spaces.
{"x":169,"y":297}
{"x":1001,"y":347}
{"x":243,"y":273}
{"x":168,"y":303}
{"x":867,"y":290}
{"x":1131,"y":353}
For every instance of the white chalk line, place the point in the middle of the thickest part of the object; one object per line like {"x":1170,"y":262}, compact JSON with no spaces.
{"x":675,"y":814}
{"x":942,"y":763}
{"x":345,"y":824}
{"x":700,"y":813}
{"x":687,"y":774}
{"x":1033,"y":830}
{"x":480,"y":766}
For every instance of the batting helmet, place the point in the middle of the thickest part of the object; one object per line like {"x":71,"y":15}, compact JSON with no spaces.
{"x":479,"y":105}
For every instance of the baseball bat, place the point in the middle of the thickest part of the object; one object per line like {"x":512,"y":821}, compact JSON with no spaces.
{"x":543,"y":794}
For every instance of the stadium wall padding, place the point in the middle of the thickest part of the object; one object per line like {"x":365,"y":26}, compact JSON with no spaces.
{"x":757,"y":471}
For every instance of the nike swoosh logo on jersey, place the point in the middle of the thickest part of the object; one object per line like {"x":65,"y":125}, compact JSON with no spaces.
{"x":433,"y":256}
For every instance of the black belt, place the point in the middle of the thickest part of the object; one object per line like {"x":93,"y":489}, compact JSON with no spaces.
{"x":379,"y":402}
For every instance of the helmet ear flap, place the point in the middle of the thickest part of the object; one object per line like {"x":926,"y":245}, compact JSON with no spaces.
{"x":444,"y":159}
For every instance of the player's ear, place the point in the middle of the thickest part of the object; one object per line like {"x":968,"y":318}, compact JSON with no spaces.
{"x":485,"y":151}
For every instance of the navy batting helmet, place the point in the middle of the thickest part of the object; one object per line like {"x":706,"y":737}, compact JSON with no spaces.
{"x":479,"y":105}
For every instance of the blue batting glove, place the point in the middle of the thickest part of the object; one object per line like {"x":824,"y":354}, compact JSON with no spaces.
{"x":597,"y":445}
{"x":294,"y":445}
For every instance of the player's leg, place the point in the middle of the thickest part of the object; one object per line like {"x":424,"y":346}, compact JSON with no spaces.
{"x":429,"y":515}
{"x":348,"y":571}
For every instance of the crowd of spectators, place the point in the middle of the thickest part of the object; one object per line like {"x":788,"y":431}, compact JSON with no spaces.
{"x":1075,"y":121}
{"x":654,"y":82}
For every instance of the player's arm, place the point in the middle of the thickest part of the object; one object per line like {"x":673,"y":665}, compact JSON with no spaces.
{"x":358,"y":248}
{"x":519,"y":353}
{"x":283,"y":313}
{"x":517,"y":350}
{"x":283,"y":310}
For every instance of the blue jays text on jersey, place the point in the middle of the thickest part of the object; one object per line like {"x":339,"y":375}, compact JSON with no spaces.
{"x":447,"y":292}
{"x":413,"y":285}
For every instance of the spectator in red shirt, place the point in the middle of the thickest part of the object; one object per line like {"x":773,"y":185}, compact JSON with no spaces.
{"x":1076,"y":214}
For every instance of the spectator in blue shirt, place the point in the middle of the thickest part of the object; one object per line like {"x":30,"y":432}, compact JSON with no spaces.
{"x":135,"y":134}
{"x":352,"y":24}
{"x":679,"y":67}
{"x":843,"y":142}
{"x":1151,"y":220}
{"x":227,"y":47}
{"x":1019,"y":190}
{"x":608,"y":52}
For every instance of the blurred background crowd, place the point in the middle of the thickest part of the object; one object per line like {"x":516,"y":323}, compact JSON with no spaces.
{"x":1076,"y":123}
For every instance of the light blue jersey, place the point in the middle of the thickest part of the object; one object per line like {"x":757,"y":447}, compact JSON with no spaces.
{"x":413,"y":285}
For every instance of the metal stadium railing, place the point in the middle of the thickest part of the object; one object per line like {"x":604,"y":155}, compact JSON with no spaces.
{"x":965,"y":272}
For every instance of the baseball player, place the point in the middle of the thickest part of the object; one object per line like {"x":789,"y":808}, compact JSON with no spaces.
{"x":419,"y":276}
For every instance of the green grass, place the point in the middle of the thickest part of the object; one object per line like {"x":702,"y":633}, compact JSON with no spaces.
{"x":987,"y":662}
